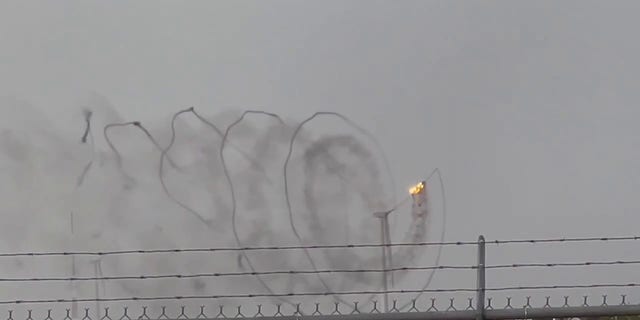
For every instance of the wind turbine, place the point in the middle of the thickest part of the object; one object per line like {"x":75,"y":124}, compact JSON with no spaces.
{"x":418,"y":193}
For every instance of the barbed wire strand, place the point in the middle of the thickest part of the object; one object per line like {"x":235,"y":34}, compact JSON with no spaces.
{"x":301,"y":294}
{"x":554,"y":240}
{"x":562,"y":264}
{"x":219,"y":249}
{"x":231,"y":274}
{"x":337,"y":246}
{"x":327,"y":271}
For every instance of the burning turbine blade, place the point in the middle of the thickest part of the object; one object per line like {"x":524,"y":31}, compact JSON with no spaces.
{"x":419,"y":195}
{"x":418,"y":188}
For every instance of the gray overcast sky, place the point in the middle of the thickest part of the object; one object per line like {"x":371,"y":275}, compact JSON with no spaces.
{"x":528,"y":107}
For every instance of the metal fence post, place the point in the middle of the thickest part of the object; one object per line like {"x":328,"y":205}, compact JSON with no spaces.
{"x":481,"y":280}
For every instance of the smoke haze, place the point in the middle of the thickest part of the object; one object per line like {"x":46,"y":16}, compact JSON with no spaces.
{"x":528,"y":108}
{"x":100,"y":190}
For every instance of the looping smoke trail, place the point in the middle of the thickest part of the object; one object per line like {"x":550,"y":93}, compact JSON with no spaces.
{"x":89,"y":134}
{"x":247,"y":157}
{"x":155,"y":143}
{"x":105,"y":132}
{"x":233,"y":196}
{"x":205,"y":121}
{"x":207,"y":222}
{"x":200,"y":217}
{"x":286,"y":187}
{"x":320,"y":148}
{"x":224,"y":143}
{"x":313,"y":156}
{"x":117,"y":153}
{"x":437,"y":172}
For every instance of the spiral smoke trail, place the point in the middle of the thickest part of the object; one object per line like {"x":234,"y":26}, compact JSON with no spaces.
{"x":182,"y":205}
{"x":155,"y":143}
{"x":344,"y":171}
{"x":245,"y":155}
{"x":233,"y":196}
{"x":286,"y":187}
{"x":127,"y":177}
{"x":166,"y":150}
{"x":318,"y":153}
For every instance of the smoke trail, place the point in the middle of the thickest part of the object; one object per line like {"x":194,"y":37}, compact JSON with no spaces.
{"x":442,"y":234}
{"x":87,"y":130}
{"x":89,"y":134}
{"x":286,"y":187}
{"x":361,"y":175}
{"x":117,"y":153}
{"x":129,"y":181}
{"x":246,"y":156}
{"x":165,"y":151}
{"x":200,"y":217}
{"x":269,"y":147}
{"x":245,"y":256}
{"x":98,"y":199}
{"x":155,"y":143}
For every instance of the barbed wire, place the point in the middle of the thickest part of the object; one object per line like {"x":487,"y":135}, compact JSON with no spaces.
{"x":301,"y":294}
{"x":322,"y":271}
{"x":232,"y":274}
{"x":230,"y":249}
{"x":336,"y":246}
{"x":552,"y":240}
{"x":561,"y":264}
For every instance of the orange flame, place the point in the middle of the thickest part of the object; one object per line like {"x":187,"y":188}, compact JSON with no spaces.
{"x":417,"y":188}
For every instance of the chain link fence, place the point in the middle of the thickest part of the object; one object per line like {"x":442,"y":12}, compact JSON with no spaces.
{"x":475,"y":303}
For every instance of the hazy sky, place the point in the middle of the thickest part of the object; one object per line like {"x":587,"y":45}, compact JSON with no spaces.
{"x":529,"y":108}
